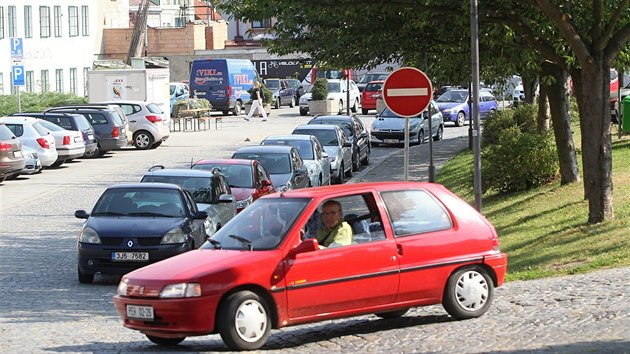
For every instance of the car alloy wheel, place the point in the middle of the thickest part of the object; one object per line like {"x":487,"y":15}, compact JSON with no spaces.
{"x":439,"y":135}
{"x":421,"y":137}
{"x":356,"y":164}
{"x":469,"y":293}
{"x":142,"y":140}
{"x":243,"y":321}
{"x":277,"y":103}
{"x":461,"y":119}
{"x":292,"y":104}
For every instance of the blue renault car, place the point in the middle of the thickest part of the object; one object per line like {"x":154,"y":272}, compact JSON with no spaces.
{"x":454,"y":105}
{"x":136,"y":224}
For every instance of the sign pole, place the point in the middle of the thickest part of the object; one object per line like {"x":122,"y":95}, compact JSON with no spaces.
{"x":431,"y":166}
{"x":474,"y":37}
{"x":406,"y":152}
{"x":19,"y":99}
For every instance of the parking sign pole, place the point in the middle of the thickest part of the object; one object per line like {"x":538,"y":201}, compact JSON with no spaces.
{"x":431,"y":167}
{"x":406,"y":152}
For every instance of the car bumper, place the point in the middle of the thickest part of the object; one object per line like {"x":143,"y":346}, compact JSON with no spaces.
{"x":112,"y":144}
{"x":70,"y":153}
{"x":98,"y":258}
{"x":31,"y":166}
{"x":47,"y":158}
{"x":449,"y":117}
{"x":172,"y":317}
{"x":391,"y":137}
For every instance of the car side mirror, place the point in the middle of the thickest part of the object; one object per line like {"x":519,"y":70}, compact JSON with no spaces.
{"x":81,"y":214}
{"x":200,"y":215}
{"x":308,"y":245}
{"x":265,"y":183}
{"x":226,"y":198}
{"x":347,"y":144}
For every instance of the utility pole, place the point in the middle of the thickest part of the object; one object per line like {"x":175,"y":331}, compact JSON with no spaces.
{"x":474,"y":39}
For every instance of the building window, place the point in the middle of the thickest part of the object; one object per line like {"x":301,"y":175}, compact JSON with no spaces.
{"x":30,"y":78}
{"x":266,"y":23}
{"x":45,"y":84}
{"x":57,"y":21}
{"x":59,"y":80}
{"x":1,"y":24}
{"x":85,"y":21}
{"x":28,"y":21}
{"x":12,"y":21}
{"x":44,"y":21}
{"x":85,"y":81}
{"x":73,"y":20}
{"x":73,"y":80}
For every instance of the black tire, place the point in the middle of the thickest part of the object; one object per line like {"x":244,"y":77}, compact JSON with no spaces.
{"x":341,"y":110}
{"x":85,"y":278}
{"x":366,"y":160}
{"x":440,"y":133}
{"x":244,"y":305}
{"x":355,"y":106}
{"x":349,"y":172}
{"x":237,"y":108}
{"x":339,"y":179}
{"x":225,"y":113}
{"x":356,"y":163}
{"x":420,"y":137}
{"x":276,"y":104}
{"x":364,"y":111}
{"x":392,"y":314}
{"x":469,"y":293}
{"x":167,"y":342}
{"x":461,"y":119}
{"x":156,"y":145}
{"x":292,"y":104}
{"x":143,"y":140}
{"x":58,"y":163}
{"x":303,"y":112}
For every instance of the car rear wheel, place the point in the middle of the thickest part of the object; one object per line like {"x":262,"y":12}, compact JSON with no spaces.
{"x":303,"y":112}
{"x":392,"y":314}
{"x":461,"y":119}
{"x":364,"y":111}
{"x":168,"y":342}
{"x":85,"y":278}
{"x":440,"y":133}
{"x":349,"y":172}
{"x":156,"y":145}
{"x":366,"y":160}
{"x":142,"y":140}
{"x":339,"y":178}
{"x":243,"y":321}
{"x":468,"y":294}
{"x":355,"y":106}
{"x":420,"y":137}
{"x":356,"y":164}
{"x":276,"y":104}
{"x":292,"y":103}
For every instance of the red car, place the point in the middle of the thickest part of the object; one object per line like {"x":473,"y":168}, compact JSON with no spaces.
{"x":372,"y":91}
{"x":413,"y":244}
{"x":248,"y":179}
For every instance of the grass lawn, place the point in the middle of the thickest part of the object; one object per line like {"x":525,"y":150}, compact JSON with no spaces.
{"x":544,"y":231}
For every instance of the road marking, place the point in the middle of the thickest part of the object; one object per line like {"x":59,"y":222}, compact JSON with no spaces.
{"x":400,"y":92}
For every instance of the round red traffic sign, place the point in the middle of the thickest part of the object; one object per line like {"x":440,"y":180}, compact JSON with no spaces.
{"x":407,"y":92}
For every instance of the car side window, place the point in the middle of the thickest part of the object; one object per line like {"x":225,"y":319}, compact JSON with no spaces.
{"x":415,"y":211}
{"x":190,"y":202}
{"x":17,"y":129}
{"x":318,"y":150}
{"x":127,"y":108}
{"x":296,"y":160}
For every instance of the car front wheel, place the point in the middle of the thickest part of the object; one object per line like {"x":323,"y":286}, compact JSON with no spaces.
{"x":243,"y":321}
{"x":167,"y":342}
{"x":339,"y":178}
{"x":85,"y":278}
{"x":461,"y":119}
{"x":440,"y":133}
{"x":469,"y":292}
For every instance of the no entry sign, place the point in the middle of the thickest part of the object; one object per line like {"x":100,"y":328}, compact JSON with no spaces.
{"x":407,"y":92}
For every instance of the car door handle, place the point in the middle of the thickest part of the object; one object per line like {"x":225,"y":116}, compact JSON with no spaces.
{"x":400,"y":249}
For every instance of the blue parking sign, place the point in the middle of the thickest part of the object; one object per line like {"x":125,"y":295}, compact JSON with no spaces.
{"x":17,"y":47}
{"x":17,"y":75}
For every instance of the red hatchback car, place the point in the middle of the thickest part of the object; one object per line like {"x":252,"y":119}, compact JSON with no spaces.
{"x":248,"y":179}
{"x":369,"y":95}
{"x":413,"y":244}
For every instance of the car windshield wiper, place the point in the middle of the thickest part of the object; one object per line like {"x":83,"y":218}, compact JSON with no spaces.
{"x":109,"y":213}
{"x":244,"y":240}
{"x":145,"y":213}
{"x":216,"y":244}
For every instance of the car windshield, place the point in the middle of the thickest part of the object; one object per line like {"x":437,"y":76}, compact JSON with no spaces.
{"x":304,"y":147}
{"x":152,"y":202}
{"x":453,"y":96}
{"x":372,"y":77}
{"x":345,"y":125}
{"x":274,"y":163}
{"x":334,"y":87}
{"x":326,"y":137}
{"x":373,"y":87}
{"x":199,"y":187}
{"x":260,"y":226}
{"x":238,"y":176}
{"x":272,"y":84}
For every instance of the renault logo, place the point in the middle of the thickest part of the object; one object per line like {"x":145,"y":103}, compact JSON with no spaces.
{"x":129,"y":243}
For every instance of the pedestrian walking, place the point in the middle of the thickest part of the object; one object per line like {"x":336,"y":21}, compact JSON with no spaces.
{"x":257,"y":102}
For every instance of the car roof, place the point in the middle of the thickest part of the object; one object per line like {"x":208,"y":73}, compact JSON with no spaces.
{"x":352,"y":188}
{"x":149,"y":185}
{"x":331,"y":118}
{"x":19,"y":119}
{"x":181,"y":172}
{"x":127,"y":102}
{"x":289,"y":137}
{"x":225,"y":161}
{"x":317,"y":126}
{"x":265,"y":148}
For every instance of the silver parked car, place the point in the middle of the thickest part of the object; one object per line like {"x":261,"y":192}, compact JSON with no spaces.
{"x":32,"y":164}
{"x":69,"y":143}
{"x":148,"y":124}
{"x":210,"y":191}
{"x":34,"y":135}
{"x":312,"y":152}
{"x":336,"y":145}
{"x":389,"y":128}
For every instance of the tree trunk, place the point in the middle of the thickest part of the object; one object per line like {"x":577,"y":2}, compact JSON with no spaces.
{"x":529,"y":87}
{"x":542,"y":121}
{"x":593,"y":94}
{"x":559,"y":107}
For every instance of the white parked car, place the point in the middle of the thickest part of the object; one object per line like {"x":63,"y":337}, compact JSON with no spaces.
{"x":69,"y":143}
{"x":34,"y":135}
{"x":148,"y":124}
{"x":337,"y":90}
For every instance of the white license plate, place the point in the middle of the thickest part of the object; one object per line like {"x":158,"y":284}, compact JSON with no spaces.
{"x":391,"y":141}
{"x":77,"y":139}
{"x":17,"y":153}
{"x":130,"y":256}
{"x":140,"y":312}
{"x":90,"y":137}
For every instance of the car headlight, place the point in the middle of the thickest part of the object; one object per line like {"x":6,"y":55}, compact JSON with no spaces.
{"x":176,"y":235}
{"x":122,"y":287}
{"x":181,"y":290}
{"x":448,"y":110}
{"x":244,"y":203}
{"x":89,"y":235}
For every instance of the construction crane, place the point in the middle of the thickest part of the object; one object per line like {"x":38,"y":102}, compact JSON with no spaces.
{"x":137,"y":44}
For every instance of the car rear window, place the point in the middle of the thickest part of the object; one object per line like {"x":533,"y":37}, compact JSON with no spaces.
{"x":153,"y":108}
{"x":373,"y":87}
{"x":325,"y":137}
{"x":5,"y":133}
{"x":117,"y":118}
{"x":40,"y":129}
{"x":238,"y":176}
{"x":273,"y":163}
{"x":65,"y":122}
{"x":82,"y":123}
{"x":51,"y":126}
